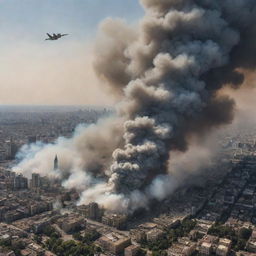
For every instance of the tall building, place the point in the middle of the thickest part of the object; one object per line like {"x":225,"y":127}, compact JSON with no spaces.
{"x":35,"y":182}
{"x":31,"y":139}
{"x":20,"y":182}
{"x":12,"y":149}
{"x":93,"y":211}
{"x":56,"y":163}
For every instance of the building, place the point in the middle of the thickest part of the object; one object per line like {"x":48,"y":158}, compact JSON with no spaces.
{"x":31,"y":139}
{"x":115,"y":220}
{"x":20,"y":182}
{"x":222,"y":250}
{"x":210,"y":239}
{"x":39,"y":225}
{"x":244,"y":253}
{"x":56,"y":163}
{"x":39,"y":207}
{"x":225,"y":242}
{"x":35,"y":181}
{"x":202,"y":226}
{"x":6,"y":252}
{"x":251,"y":244}
{"x":94,"y":212}
{"x":154,"y":235}
{"x":12,"y":149}
{"x":45,"y":183}
{"x":114,"y":243}
{"x":205,"y":248}
{"x":131,"y":250}
{"x":139,"y":235}
{"x":184,"y":247}
{"x":72,"y":224}
{"x":167,"y":222}
{"x":35,"y":248}
{"x":91,"y":211}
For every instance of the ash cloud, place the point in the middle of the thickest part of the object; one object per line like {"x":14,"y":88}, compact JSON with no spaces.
{"x":167,"y":74}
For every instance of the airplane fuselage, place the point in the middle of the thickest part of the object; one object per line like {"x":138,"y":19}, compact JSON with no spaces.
{"x":55,"y":36}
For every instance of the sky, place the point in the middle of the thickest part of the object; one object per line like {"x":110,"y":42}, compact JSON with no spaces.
{"x":35,"y":71}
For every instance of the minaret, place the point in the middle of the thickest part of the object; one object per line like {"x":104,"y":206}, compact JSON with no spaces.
{"x":56,"y":164}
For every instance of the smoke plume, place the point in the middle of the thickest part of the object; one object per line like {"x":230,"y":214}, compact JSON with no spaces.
{"x":166,"y":73}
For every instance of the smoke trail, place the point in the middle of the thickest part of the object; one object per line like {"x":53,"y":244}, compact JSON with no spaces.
{"x":167,"y":74}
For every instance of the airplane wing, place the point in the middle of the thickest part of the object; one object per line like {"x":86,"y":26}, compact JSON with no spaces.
{"x":54,"y":35}
{"x":49,"y":35}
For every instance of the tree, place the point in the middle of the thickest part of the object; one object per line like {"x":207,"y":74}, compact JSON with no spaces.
{"x":50,"y":231}
{"x":77,"y":236}
{"x":245,"y":233}
{"x":38,"y":238}
{"x":90,"y":236}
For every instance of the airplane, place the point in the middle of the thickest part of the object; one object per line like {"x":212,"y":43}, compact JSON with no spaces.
{"x":55,"y":36}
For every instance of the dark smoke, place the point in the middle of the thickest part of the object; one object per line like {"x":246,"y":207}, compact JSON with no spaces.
{"x":186,"y":51}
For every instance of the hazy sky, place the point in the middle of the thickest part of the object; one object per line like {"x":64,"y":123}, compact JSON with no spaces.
{"x":34,"y":71}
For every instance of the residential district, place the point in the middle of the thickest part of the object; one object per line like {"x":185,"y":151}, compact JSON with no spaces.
{"x":38,"y":216}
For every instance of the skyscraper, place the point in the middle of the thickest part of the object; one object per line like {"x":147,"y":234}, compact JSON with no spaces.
{"x":35,"y":182}
{"x":56,"y":163}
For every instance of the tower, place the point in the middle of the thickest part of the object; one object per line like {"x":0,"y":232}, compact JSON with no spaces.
{"x":35,"y":182}
{"x":11,"y":149}
{"x":56,"y":163}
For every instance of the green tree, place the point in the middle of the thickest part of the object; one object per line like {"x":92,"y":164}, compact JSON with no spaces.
{"x":77,"y":236}
{"x":245,"y":233}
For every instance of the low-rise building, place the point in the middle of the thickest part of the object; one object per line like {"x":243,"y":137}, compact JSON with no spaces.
{"x":154,"y":235}
{"x":225,"y":242}
{"x":184,"y":247}
{"x":6,"y":252}
{"x":167,"y":222}
{"x":222,"y":250}
{"x":251,"y":244}
{"x":131,"y":250}
{"x":72,"y":224}
{"x":114,"y":243}
{"x":244,"y":253}
{"x":138,"y":235}
{"x":91,"y":211}
{"x":36,"y":249}
{"x":115,"y":220}
{"x":205,"y":248}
